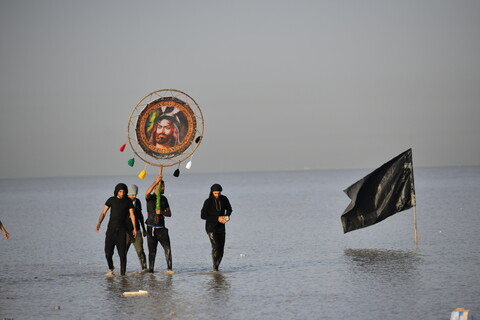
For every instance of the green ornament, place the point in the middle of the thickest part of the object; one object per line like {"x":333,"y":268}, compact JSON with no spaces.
{"x":131,"y":162}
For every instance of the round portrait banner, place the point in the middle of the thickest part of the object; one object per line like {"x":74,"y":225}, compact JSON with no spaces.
{"x":166,"y":127}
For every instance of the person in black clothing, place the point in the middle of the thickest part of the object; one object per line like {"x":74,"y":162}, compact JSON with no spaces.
{"x":216,"y":211}
{"x":156,"y":231}
{"x":137,"y":241}
{"x":122,"y":208}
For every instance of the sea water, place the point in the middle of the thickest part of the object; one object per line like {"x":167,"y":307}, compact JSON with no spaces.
{"x":286,"y":255}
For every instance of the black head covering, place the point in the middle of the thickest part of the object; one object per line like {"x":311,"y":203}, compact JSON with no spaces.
{"x":216,"y":187}
{"x":120,"y":186}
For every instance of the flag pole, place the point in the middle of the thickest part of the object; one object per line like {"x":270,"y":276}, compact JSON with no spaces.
{"x":159,"y":192}
{"x":160,"y":170}
{"x":415,"y":233}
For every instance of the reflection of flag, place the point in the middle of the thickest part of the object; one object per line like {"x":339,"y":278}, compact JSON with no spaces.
{"x":384,"y":192}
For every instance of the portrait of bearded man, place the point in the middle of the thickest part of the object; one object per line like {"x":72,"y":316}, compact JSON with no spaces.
{"x":165,"y":133}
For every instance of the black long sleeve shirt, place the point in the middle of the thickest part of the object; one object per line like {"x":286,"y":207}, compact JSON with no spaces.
{"x":214,"y":208}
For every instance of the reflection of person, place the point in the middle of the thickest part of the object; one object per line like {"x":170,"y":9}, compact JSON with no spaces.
{"x":5,"y":233}
{"x":137,"y":241}
{"x":156,"y":231}
{"x":165,"y":133}
{"x":216,"y":211}
{"x":121,"y":207}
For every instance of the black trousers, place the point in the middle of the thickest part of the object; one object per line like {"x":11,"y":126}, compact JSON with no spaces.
{"x":116,"y":237}
{"x":138,"y":244}
{"x":154,"y":236}
{"x":217,"y":239}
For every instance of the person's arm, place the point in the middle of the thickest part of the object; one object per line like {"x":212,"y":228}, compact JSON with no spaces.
{"x":167,"y":212}
{"x":228,"y":207}
{"x":205,"y":213}
{"x":142,"y":224}
{"x":228,"y":211}
{"x":102,"y":216}
{"x":140,"y":218}
{"x":5,"y":233}
{"x":151,"y":189}
{"x":132,"y":217}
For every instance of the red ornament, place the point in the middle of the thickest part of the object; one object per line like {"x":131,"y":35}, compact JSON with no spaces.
{"x":122,"y":148}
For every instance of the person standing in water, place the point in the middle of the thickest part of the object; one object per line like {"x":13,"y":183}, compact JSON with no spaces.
{"x":216,"y":211}
{"x":156,"y":231}
{"x":116,"y":233}
{"x":137,"y":241}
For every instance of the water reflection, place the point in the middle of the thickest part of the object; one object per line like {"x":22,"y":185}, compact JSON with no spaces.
{"x":114,"y":288}
{"x":160,"y":299}
{"x":384,"y":265}
{"x":116,"y":285}
{"x":160,"y":285}
{"x":219,"y":287}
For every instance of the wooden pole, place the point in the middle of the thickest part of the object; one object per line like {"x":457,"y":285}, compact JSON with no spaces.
{"x":414,"y":202}
{"x":415,"y":233}
{"x":158,"y":208}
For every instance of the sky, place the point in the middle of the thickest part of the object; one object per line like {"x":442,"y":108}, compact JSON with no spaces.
{"x":282,"y":85}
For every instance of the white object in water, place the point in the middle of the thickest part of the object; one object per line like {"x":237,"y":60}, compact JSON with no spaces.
{"x":460,"y":314}
{"x":135,"y":293}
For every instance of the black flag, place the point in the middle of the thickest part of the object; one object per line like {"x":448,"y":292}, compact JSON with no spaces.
{"x":384,"y":192}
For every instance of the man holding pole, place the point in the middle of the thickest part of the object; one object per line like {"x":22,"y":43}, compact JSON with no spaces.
{"x":157,"y":208}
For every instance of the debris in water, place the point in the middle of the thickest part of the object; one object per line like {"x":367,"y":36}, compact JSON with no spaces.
{"x":135,"y":293}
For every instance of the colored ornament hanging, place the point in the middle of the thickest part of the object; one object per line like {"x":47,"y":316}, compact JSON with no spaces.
{"x":188,"y":165}
{"x":123,"y":147}
{"x":142,"y":174}
{"x":176,"y":173}
{"x":131,"y":162}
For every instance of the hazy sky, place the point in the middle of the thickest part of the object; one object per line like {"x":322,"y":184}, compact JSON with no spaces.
{"x":283,"y":85}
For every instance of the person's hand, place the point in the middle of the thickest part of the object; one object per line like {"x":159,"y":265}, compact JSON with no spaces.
{"x":223,"y":219}
{"x":6,"y":234}
{"x":97,"y":227}
{"x":134,"y":232}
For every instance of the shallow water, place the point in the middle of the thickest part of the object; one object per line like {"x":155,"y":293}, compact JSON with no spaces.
{"x":286,"y":255}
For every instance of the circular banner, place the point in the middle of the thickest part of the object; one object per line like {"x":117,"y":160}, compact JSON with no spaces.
{"x":165,"y":128}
